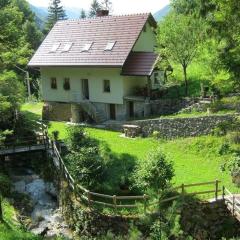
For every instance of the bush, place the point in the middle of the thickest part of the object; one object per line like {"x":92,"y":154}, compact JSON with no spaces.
{"x":228,"y":126}
{"x":234,"y":137}
{"x":86,"y":158}
{"x":224,"y":149}
{"x":156,"y":135}
{"x":216,"y":106}
{"x":234,"y":168}
{"x":154,"y":173}
{"x":5,"y":184}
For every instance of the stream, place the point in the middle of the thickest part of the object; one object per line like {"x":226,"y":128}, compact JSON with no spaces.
{"x":46,"y":217}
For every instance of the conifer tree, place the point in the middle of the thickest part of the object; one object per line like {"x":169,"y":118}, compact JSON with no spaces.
{"x":83,"y":14}
{"x":55,"y":12}
{"x":107,"y":5}
{"x":95,"y":6}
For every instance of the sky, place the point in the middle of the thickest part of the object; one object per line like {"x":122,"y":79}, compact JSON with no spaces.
{"x":119,"y":6}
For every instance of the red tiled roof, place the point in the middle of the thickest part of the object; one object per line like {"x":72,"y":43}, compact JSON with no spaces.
{"x":125,"y":30}
{"x":140,"y":64}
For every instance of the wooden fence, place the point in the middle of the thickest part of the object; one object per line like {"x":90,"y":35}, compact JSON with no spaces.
{"x":232,"y":202}
{"x":121,"y":202}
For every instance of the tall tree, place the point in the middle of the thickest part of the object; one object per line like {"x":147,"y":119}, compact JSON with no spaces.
{"x":83,"y":14}
{"x":95,"y":6}
{"x":107,"y":5}
{"x":179,"y":38}
{"x":55,"y":12}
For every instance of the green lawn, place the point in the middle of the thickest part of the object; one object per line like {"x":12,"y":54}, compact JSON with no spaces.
{"x":195,"y":159}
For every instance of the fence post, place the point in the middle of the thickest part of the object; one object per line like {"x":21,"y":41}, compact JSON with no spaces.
{"x":89,"y":198}
{"x":145,"y":203}
{"x":223,"y":192}
{"x":216,"y":190}
{"x":233,"y":205}
{"x":183,"y":188}
{"x":115,"y":202}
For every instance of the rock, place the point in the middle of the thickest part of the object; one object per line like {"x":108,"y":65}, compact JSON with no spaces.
{"x":20,"y":186}
{"x":50,"y":189}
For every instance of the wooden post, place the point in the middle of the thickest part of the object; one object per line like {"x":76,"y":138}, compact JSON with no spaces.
{"x":89,"y":198}
{"x":223,"y":192}
{"x":233,"y":205}
{"x":115,"y":202}
{"x":216,"y":190}
{"x":182,"y":188}
{"x":145,"y":203}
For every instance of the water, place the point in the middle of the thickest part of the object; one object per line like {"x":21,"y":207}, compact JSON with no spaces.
{"x":46,"y":216}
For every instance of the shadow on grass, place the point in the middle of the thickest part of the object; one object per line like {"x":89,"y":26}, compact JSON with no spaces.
{"x":119,"y":174}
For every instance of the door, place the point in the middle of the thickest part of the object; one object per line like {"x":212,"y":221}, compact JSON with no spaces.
{"x":85,"y":89}
{"x":131,"y":109}
{"x":112,"y":108}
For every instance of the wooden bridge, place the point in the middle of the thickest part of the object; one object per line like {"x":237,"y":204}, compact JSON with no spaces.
{"x":39,"y":142}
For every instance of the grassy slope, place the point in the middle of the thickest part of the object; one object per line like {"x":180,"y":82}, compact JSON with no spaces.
{"x":11,"y":229}
{"x":195,"y":159}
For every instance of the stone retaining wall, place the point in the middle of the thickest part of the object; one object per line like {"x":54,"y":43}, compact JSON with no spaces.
{"x":183,"y":127}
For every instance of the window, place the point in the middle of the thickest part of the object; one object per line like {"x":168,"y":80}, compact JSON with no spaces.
{"x":106,"y":86}
{"x":156,"y":80}
{"x":53,"y":83}
{"x":67,"y":47}
{"x":66,"y":84}
{"x":87,"y":47}
{"x":55,"y":47}
{"x":110,"y":46}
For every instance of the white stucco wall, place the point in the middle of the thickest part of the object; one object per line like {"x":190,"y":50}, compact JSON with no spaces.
{"x":147,"y":41}
{"x":131,"y":83}
{"x":95,"y":78}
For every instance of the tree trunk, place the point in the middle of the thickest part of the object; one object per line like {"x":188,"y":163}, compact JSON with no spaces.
{"x":185,"y":79}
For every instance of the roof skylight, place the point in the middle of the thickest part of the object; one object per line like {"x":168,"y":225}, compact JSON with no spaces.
{"x":67,"y":47}
{"x":55,"y":47}
{"x":87,"y":47}
{"x":110,"y":46}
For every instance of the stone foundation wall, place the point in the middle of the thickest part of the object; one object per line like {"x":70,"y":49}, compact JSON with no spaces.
{"x":57,"y":111}
{"x":170,"y":106}
{"x":183,"y":127}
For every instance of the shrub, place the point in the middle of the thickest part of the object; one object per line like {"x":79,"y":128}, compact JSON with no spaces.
{"x":216,"y":106}
{"x":234,"y":168}
{"x":224,"y":149}
{"x":154,"y":173}
{"x":234,"y":137}
{"x":227,"y":126}
{"x":156,"y":135}
{"x":5,"y":184}
{"x":86,"y":158}
{"x":55,"y":135}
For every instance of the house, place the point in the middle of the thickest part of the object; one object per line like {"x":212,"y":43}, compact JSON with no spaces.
{"x":96,"y":68}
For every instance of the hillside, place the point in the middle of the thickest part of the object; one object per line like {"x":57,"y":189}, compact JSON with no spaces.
{"x":42,"y":13}
{"x":161,"y":13}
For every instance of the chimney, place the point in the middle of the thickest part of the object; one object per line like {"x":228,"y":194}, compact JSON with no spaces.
{"x":102,"y":13}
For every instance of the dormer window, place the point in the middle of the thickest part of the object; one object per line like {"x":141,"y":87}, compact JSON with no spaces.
{"x":55,"y":47}
{"x":67,"y":47}
{"x":87,"y":47}
{"x":110,"y":46}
